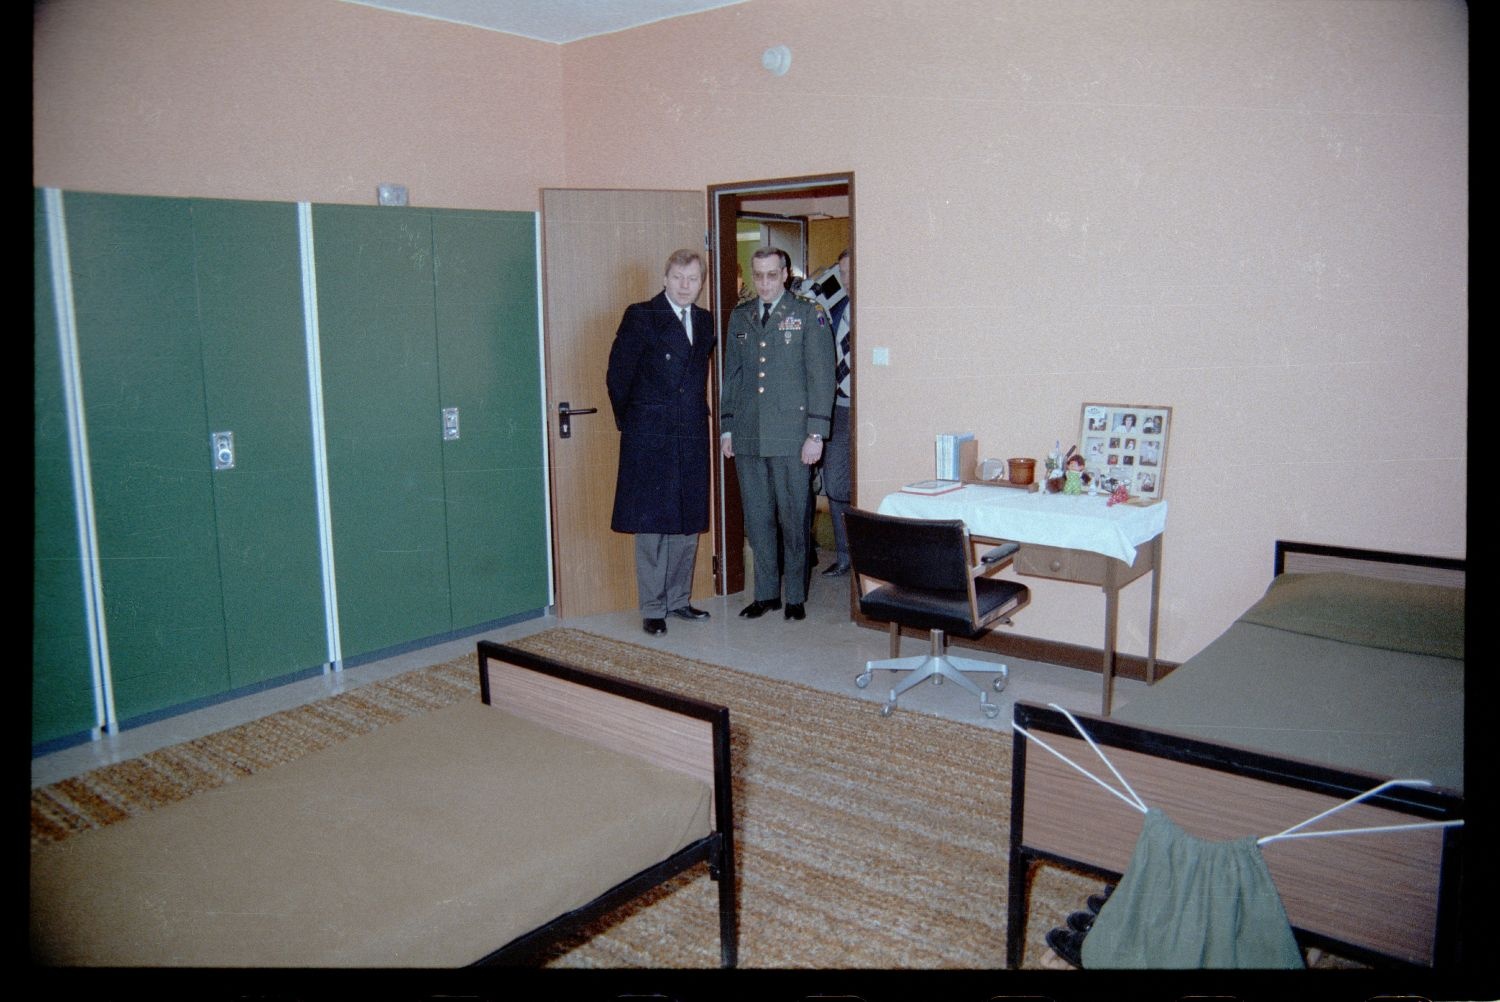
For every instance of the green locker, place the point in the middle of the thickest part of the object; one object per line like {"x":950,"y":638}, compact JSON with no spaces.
{"x":377,"y":329}
{"x":255,"y":378}
{"x":490,"y":369}
{"x":62,"y":690}
{"x":135,"y":299}
{"x":190,"y":321}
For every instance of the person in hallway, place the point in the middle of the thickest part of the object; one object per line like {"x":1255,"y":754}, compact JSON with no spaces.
{"x":836,"y":451}
{"x":774,"y":415}
{"x":658,"y":389}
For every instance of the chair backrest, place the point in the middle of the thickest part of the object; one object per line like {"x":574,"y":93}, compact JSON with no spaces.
{"x":925,"y":554}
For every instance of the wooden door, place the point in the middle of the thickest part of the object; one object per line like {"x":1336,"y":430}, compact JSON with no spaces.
{"x":602,"y":250}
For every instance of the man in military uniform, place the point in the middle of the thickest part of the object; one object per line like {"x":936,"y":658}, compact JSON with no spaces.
{"x":775,"y":413}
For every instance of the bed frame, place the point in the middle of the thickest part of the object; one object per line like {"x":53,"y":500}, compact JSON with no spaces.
{"x":1389,"y":899}
{"x":672,"y":731}
{"x":118,"y":895}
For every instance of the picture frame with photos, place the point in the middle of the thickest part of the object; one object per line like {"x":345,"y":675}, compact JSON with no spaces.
{"x":1126,"y":444}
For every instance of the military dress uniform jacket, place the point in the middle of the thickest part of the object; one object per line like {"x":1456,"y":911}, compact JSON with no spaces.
{"x":658,"y":386}
{"x":778,"y":379}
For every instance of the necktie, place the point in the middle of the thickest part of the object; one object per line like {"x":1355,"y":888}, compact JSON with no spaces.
{"x":687,"y":322}
{"x":765,"y":313}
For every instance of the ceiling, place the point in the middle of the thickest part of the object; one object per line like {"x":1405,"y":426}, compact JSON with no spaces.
{"x":550,"y":20}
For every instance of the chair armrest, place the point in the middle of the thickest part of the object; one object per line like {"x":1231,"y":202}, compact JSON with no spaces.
{"x":999,"y":553}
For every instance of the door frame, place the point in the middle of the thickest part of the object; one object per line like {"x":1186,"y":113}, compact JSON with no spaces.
{"x":723,"y":208}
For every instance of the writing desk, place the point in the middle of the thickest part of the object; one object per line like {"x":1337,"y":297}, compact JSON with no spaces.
{"x":1066,"y":537}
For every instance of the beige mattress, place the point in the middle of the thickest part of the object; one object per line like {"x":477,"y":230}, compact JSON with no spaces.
{"x":429,"y":842}
{"x":1351,"y":672}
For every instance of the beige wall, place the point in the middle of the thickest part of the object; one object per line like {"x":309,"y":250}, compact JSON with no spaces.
{"x":292,"y":100}
{"x":1255,"y":213}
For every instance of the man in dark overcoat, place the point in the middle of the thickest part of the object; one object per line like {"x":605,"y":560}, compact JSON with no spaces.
{"x":658,"y":389}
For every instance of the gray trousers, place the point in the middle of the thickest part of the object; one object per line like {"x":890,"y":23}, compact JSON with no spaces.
{"x":836,"y":479}
{"x":776,"y":492}
{"x":664,"y":571}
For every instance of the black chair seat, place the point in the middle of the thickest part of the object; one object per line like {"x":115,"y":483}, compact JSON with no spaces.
{"x":947,"y":611}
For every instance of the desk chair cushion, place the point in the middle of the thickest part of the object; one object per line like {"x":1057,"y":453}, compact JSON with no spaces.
{"x":925,"y":564}
{"x":947,"y":610}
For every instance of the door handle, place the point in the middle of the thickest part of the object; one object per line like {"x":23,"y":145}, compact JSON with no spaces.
{"x":564,"y":412}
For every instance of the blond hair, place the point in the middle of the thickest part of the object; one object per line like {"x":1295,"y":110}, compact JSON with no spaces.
{"x":684,"y":257}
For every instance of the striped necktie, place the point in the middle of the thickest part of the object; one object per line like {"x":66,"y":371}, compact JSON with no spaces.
{"x":841,"y":372}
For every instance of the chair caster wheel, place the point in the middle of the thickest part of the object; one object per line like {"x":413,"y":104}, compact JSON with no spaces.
{"x":862,"y":679}
{"x":887,"y":709}
{"x":937,"y":680}
{"x":999,"y":683}
{"x":991,"y":711}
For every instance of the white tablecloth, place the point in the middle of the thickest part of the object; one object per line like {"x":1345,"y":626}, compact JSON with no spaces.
{"x":1075,"y":521}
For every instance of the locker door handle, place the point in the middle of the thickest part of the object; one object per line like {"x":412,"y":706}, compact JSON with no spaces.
{"x":564,"y":412}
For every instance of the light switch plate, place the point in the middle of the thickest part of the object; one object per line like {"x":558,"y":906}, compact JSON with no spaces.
{"x":881,"y":356}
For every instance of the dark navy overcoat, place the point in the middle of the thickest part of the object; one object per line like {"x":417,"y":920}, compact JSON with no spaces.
{"x":658,"y":388}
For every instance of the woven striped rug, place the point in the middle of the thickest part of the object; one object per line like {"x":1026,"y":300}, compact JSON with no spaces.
{"x":864,"y":842}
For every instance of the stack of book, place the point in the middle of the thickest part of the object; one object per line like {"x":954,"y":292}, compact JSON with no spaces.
{"x":956,"y":454}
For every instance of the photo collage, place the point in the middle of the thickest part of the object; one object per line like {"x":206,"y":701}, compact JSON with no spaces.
{"x":1126,"y":444}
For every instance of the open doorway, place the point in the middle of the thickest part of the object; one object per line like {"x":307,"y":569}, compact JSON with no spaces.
{"x":812,"y":219}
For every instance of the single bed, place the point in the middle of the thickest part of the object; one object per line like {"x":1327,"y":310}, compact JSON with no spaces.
{"x":478,"y":833}
{"x":1348,"y":672}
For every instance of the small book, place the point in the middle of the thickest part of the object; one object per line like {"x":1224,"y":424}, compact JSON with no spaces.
{"x":932,"y":486}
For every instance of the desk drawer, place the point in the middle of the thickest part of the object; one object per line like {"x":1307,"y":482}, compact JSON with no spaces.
{"x":1065,"y":565}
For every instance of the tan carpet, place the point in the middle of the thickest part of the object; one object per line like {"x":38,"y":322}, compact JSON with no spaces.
{"x":863,"y":842}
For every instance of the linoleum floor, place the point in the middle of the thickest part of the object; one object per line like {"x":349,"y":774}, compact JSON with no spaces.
{"x":825,"y":651}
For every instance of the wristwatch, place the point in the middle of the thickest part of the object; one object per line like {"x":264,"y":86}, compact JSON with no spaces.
{"x":815,"y":437}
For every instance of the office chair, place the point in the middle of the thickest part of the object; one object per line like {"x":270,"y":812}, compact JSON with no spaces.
{"x":917,"y":572}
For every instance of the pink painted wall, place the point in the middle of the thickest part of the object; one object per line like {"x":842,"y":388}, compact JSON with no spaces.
{"x":1253,"y":213}
{"x":291,"y":100}
{"x":1256,"y":213}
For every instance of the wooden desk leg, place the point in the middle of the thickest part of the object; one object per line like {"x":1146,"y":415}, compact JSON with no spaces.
{"x":1155,"y":607}
{"x":1111,"y":622}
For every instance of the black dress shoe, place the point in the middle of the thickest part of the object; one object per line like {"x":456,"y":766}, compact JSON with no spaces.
{"x":757,"y":609}
{"x":835,"y":570}
{"x":688,"y":612}
{"x":1067,"y":944}
{"x":794,"y":610}
{"x":1096,"y":901}
{"x":1081,"y":922}
{"x":654,"y":626}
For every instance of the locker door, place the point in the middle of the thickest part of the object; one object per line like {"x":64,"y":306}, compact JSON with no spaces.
{"x":142,"y":375}
{"x":255,"y":376}
{"x":490,"y":369}
{"x":384,"y":423}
